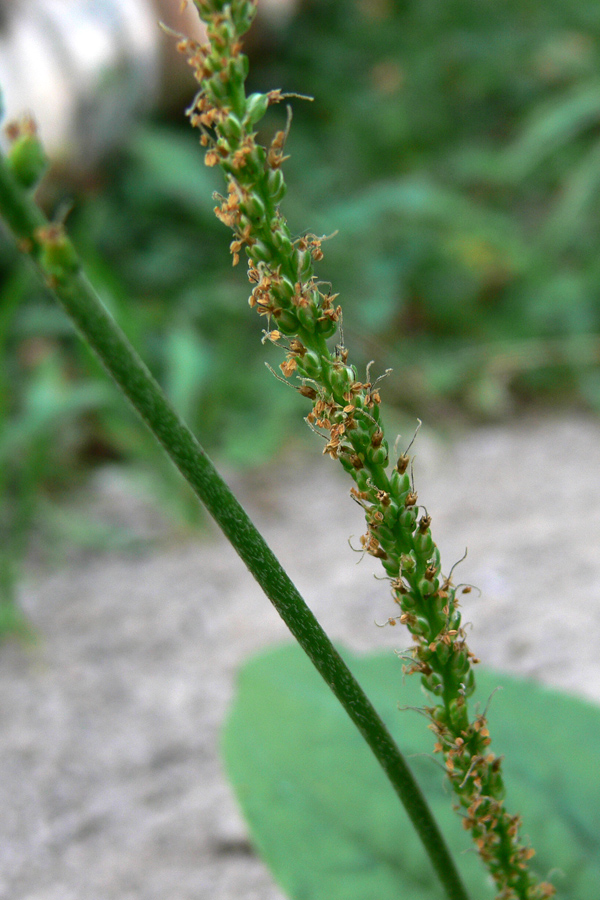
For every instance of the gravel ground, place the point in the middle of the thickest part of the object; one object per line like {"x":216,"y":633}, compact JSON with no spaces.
{"x":112,"y":787}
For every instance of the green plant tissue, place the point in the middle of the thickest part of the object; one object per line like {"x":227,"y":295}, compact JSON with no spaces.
{"x":323,"y":817}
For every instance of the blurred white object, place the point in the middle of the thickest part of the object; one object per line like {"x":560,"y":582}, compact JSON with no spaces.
{"x":80,"y":67}
{"x":83,"y":68}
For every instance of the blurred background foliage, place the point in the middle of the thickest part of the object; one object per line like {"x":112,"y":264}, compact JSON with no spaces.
{"x":454,"y":145}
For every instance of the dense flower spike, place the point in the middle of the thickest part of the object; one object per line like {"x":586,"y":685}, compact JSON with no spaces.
{"x":301,"y":315}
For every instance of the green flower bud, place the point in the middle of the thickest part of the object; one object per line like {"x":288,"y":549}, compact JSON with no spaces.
{"x":391,"y":513}
{"x":425,"y":587}
{"x":469,"y":683}
{"x":360,"y":436}
{"x":215,"y":88}
{"x":256,"y":107}
{"x":421,"y":626}
{"x":386,"y":537}
{"x":423,"y":544}
{"x":400,"y":485}
{"x":340,"y":377}
{"x":306,"y":317}
{"x":259,"y":252}
{"x":326,"y":326}
{"x":346,"y":464}
{"x":391,"y":566}
{"x":454,"y":620}
{"x":287,"y":323}
{"x":424,"y":653}
{"x":409,"y":602}
{"x":27,"y":159}
{"x":435,"y":559}
{"x":235,"y":72}
{"x":362,"y":479}
{"x":407,"y":519}
{"x":283,"y":243}
{"x":304,"y":265}
{"x":277,"y":187}
{"x":377,"y":456}
{"x":432,"y":682}
{"x":253,"y":207}
{"x":409,"y":563}
{"x":442,"y":651}
{"x":58,"y":257}
{"x":439,"y":715}
{"x":232,"y":127}
{"x":460,"y":663}
{"x":310,"y":365}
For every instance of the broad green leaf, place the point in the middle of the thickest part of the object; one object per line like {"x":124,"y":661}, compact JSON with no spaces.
{"x":325,"y":820}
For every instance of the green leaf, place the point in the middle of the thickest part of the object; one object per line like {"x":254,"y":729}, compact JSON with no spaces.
{"x":551,"y":126}
{"x":172,"y":164}
{"x":188,"y":366}
{"x":325,"y":820}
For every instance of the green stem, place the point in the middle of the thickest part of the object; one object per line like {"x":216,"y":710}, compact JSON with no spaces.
{"x":54,"y":259}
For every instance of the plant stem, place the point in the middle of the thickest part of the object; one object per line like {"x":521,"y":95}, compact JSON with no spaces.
{"x":57,"y":262}
{"x":300,"y":316}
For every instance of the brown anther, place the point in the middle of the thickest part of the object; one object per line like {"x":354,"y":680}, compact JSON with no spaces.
{"x":402,"y":464}
{"x":211,"y":158}
{"x":377,"y":438}
{"x":288,"y":366}
{"x":424,"y":523}
{"x":411,"y":499}
{"x":383,"y":497}
{"x":430,"y":573}
{"x":356,"y":461}
{"x":398,"y":585}
{"x":298,"y":347}
{"x":307,"y":391}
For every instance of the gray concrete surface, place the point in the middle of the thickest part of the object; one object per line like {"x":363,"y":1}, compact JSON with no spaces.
{"x":111,"y":783}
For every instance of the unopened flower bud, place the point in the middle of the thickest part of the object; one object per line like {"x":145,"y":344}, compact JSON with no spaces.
{"x":256,"y":107}
{"x":27,"y":159}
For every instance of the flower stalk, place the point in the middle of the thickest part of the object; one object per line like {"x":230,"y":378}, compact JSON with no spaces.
{"x":301,"y":314}
{"x":57,"y":262}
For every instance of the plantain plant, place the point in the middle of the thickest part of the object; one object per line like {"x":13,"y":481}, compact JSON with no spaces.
{"x":301,"y":315}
